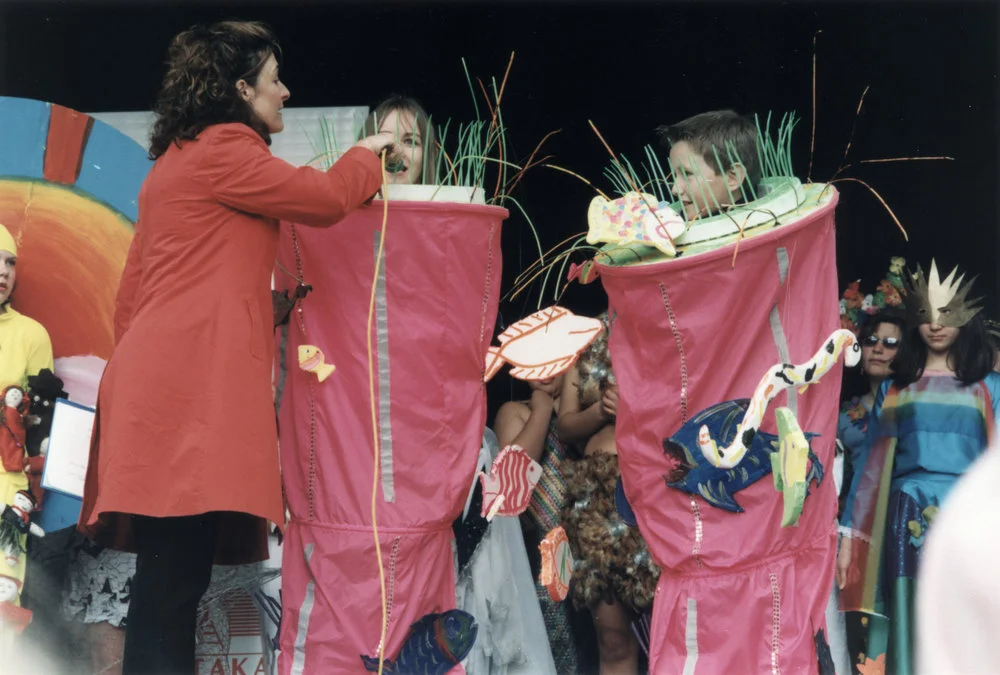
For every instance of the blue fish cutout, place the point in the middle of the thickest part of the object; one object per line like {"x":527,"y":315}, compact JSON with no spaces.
{"x":435,"y":644}
{"x":690,"y":472}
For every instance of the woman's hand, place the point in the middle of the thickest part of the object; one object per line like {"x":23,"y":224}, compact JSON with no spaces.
{"x":377,"y":143}
{"x":609,"y":402}
{"x":843,"y":562}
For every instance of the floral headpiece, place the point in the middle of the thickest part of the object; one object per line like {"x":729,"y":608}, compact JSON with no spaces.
{"x":856,"y":308}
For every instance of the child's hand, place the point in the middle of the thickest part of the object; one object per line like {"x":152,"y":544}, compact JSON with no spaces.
{"x":609,"y":402}
{"x":551,"y":386}
{"x":543,"y":393}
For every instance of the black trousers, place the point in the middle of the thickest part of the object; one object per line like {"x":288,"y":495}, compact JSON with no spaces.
{"x":172,"y":571}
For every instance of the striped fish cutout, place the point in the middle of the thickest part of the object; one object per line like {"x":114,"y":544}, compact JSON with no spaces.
{"x":507,"y":488}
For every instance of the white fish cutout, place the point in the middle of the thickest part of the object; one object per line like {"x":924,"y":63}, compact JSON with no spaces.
{"x":542,"y":345}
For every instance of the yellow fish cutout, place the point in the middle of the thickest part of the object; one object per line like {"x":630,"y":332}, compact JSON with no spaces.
{"x":790,"y":466}
{"x":543,"y":345}
{"x":311,"y":360}
{"x":634,"y":217}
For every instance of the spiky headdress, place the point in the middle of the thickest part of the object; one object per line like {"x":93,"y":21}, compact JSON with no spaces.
{"x":945,"y":302}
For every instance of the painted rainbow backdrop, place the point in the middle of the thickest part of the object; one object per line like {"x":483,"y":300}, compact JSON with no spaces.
{"x":69,"y":189}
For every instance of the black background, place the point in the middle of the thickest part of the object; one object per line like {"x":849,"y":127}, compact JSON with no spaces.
{"x":932,"y":69}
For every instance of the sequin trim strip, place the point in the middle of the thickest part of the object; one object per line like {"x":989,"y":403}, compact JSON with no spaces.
{"x":390,"y":591}
{"x":486,"y":291}
{"x":311,"y":489}
{"x":680,"y":350}
{"x":699,"y":531}
{"x":775,"y":623}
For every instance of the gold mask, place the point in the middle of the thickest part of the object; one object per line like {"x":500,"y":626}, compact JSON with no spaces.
{"x":944,"y":303}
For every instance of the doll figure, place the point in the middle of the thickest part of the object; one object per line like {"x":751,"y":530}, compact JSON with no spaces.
{"x":13,"y":435}
{"x":13,"y":618}
{"x":15,"y":524}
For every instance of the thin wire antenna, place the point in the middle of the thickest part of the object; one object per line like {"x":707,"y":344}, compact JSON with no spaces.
{"x":812,"y":136}
{"x":850,"y":139}
{"x":576,"y":175}
{"x":877,"y":196}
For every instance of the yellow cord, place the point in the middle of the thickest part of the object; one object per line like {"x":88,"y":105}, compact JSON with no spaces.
{"x":371,"y":389}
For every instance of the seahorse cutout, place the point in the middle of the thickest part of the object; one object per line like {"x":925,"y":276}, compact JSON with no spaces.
{"x":778,"y":378}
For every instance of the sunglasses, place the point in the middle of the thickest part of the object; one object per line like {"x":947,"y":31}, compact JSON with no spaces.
{"x":887,"y":342}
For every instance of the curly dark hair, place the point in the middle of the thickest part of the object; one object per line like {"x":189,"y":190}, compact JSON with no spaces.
{"x":199,"y":89}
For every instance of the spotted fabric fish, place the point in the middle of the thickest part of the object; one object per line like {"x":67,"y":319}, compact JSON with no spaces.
{"x":435,"y":644}
{"x":507,"y":488}
{"x":634,"y":218}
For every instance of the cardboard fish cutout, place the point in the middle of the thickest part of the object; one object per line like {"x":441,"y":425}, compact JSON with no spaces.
{"x":634,"y":218}
{"x":508,"y":486}
{"x":543,"y":345}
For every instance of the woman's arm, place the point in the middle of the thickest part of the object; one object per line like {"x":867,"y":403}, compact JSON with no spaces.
{"x":575,"y":425}
{"x":245,"y":175}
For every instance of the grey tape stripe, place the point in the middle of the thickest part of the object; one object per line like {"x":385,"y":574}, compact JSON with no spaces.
{"x":778,"y":333}
{"x":305,"y":613}
{"x":782,"y":264}
{"x":382,"y":337}
{"x":691,"y":637}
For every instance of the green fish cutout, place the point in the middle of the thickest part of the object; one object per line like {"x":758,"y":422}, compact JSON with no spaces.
{"x":793,"y":466}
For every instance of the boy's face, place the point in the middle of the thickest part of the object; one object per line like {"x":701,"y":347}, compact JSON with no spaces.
{"x":698,"y":185}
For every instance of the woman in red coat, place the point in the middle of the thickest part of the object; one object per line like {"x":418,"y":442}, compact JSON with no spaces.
{"x":184,"y":460}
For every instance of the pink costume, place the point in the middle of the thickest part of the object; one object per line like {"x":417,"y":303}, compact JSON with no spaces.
{"x":738,"y":593}
{"x":434,"y":314}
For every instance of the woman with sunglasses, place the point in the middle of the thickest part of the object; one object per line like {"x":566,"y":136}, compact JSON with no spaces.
{"x":880,"y":337}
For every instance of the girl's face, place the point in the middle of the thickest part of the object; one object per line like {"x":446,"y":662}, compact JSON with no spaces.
{"x":879,"y":349}
{"x":8,"y":274}
{"x":938,"y":338}
{"x":410,"y":157}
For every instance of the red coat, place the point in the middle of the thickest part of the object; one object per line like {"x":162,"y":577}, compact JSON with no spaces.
{"x":185,"y":421}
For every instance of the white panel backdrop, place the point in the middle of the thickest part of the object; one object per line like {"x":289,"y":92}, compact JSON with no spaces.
{"x":297,"y":144}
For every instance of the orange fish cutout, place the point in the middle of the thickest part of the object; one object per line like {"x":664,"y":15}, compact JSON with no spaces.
{"x":542,"y":345}
{"x":311,"y":360}
{"x":557,"y":564}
